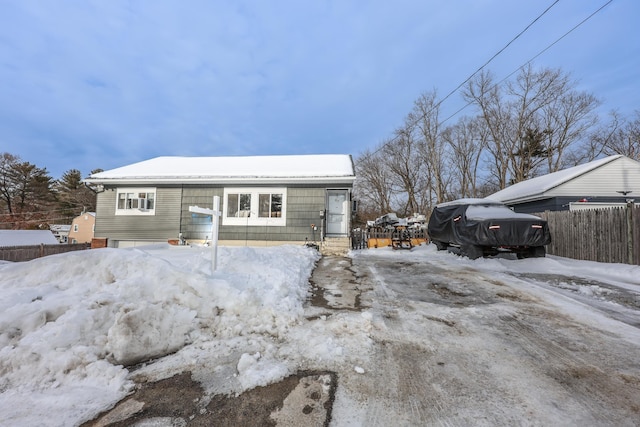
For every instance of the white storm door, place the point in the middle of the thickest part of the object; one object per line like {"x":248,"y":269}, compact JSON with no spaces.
{"x":338,"y":204}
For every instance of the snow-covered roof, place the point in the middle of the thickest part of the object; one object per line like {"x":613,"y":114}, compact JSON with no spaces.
{"x":169,"y":169}
{"x":27,"y":238}
{"x":534,"y":188}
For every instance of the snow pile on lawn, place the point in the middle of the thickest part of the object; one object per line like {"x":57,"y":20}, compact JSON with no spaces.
{"x":70,"y":323}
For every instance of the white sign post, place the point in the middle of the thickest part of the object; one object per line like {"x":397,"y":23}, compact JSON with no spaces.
{"x":215,"y":215}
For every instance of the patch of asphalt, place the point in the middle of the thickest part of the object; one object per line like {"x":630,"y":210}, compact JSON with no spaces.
{"x":302,"y":399}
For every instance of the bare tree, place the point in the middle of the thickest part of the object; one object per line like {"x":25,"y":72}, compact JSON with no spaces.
{"x":533,"y":120}
{"x":487,"y":95}
{"x":373,"y":188}
{"x":407,"y":173}
{"x":621,"y":135}
{"x":467,"y":139}
{"x":424,"y":120}
{"x":567,"y":121}
{"x":531,"y":93}
{"x":402,"y":156}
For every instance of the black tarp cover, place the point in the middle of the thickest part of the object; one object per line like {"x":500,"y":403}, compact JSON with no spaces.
{"x":450,"y":224}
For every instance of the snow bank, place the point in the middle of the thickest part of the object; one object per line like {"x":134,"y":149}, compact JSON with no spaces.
{"x":70,"y":323}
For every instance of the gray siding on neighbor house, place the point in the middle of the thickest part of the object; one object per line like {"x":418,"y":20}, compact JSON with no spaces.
{"x":602,"y":181}
{"x":164,"y":225}
{"x":605,"y":181}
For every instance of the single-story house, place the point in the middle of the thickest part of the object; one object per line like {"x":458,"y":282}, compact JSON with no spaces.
{"x":27,"y":238}
{"x":607,"y":182}
{"x":82,"y":228}
{"x":264,"y":200}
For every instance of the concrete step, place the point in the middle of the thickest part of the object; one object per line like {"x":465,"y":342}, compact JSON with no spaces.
{"x":335,"y":246}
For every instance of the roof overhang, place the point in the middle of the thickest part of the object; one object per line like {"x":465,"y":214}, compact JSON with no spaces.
{"x":343,"y":180}
{"x":527,"y":199}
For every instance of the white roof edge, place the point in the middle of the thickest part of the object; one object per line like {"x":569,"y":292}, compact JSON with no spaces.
{"x":532,"y":197}
{"x":233,"y":180}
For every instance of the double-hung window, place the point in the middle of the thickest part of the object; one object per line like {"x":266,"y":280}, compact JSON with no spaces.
{"x":136,"y":201}
{"x":254,"y":206}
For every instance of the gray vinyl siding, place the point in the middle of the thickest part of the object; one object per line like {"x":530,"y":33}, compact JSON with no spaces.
{"x":303,"y":207}
{"x":193,"y":226}
{"x":164,"y":225}
{"x":304,"y":203}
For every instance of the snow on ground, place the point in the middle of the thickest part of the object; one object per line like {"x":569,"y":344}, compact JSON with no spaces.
{"x":507,"y":267}
{"x":69,"y":322}
{"x":72,"y":325}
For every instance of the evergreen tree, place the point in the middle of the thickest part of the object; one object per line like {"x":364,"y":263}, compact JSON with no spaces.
{"x":74,"y":196}
{"x":27,"y":193}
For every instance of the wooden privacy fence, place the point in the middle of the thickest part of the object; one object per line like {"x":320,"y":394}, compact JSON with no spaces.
{"x":603,"y":235}
{"x":27,"y":253}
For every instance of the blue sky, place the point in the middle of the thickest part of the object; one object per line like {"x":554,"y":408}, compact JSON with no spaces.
{"x":102,"y":84}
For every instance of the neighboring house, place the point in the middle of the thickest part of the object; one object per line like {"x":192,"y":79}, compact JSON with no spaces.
{"x":263,"y":199}
{"x":608,"y":182}
{"x":61,"y":231}
{"x":27,"y":238}
{"x":82,"y":228}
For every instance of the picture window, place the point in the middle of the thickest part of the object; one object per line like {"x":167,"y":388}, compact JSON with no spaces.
{"x":255,"y":206}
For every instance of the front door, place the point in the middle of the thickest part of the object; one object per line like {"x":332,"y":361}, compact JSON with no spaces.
{"x":337,"y":212}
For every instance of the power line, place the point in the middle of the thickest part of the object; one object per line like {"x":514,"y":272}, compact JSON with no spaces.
{"x":477,"y":71}
{"x":38,"y":220}
{"x":533,"y":58}
{"x":497,"y":53}
{"x":77,"y":205}
{"x":493,"y":57}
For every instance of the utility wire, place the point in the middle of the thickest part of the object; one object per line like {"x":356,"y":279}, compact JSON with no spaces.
{"x":532,"y":58}
{"x":492,"y":58}
{"x":475,"y":72}
{"x":39,"y":220}
{"x":77,"y":205}
{"x":496,"y":54}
